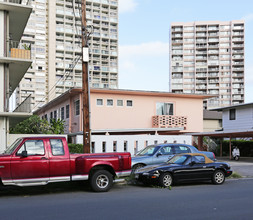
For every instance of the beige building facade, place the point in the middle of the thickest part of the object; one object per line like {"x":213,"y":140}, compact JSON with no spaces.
{"x":115,"y":111}
{"x":208,"y":58}
{"x":54,"y":30}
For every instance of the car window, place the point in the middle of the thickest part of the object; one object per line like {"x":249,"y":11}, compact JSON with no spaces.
{"x":148,"y":151}
{"x":57,"y":147}
{"x":166,"y":150}
{"x":181,"y":149}
{"x":33,"y":147}
{"x":198,"y":159}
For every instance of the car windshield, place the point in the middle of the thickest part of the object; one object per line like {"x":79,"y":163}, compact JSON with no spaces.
{"x":178,"y":159}
{"x":148,"y":151}
{"x":10,"y":149}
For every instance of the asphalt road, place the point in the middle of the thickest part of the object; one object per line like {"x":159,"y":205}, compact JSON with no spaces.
{"x":232,"y":200}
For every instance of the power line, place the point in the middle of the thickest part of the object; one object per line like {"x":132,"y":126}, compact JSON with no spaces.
{"x":66,"y":76}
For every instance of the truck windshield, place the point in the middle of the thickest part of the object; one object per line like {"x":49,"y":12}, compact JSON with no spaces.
{"x":10,"y":149}
{"x":148,"y":151}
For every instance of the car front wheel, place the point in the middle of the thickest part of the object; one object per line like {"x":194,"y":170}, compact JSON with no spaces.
{"x":101,"y":181}
{"x":218,"y":177}
{"x":166,"y":180}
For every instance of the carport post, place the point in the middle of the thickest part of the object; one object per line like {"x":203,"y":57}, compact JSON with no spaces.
{"x":200,"y":142}
{"x":221,"y":139}
{"x":230,"y":151}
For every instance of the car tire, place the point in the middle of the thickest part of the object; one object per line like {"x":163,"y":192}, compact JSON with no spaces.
{"x":218,"y":177}
{"x":165,"y":180}
{"x":136,"y":167}
{"x":101,"y":181}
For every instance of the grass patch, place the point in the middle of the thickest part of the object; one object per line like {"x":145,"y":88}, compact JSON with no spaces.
{"x":235,"y":175}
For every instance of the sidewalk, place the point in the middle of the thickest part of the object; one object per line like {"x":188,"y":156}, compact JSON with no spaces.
{"x":244,"y":166}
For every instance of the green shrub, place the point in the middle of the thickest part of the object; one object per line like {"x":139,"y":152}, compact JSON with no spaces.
{"x":75,"y":148}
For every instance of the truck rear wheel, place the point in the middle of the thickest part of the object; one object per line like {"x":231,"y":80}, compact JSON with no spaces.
{"x":101,"y":181}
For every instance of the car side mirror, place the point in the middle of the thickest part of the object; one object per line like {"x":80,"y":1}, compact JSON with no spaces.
{"x":192,"y":163}
{"x":24,"y":153}
{"x":158,"y":154}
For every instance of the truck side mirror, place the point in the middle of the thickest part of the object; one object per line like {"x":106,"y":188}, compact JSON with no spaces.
{"x":24,"y":153}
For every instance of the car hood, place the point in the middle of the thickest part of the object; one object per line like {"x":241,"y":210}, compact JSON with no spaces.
{"x":157,"y":167}
{"x":136,"y":158}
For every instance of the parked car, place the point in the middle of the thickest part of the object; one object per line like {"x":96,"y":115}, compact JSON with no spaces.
{"x":184,"y":168}
{"x":32,"y":161}
{"x":160,"y":153}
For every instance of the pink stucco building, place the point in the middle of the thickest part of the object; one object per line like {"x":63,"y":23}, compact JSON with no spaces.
{"x":128,"y":111}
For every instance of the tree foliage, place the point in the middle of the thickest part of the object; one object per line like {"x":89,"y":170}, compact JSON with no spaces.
{"x":36,"y":125}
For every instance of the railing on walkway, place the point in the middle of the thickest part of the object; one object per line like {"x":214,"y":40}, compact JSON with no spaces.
{"x":23,"y":2}
{"x":169,"y":121}
{"x":19,"y":50}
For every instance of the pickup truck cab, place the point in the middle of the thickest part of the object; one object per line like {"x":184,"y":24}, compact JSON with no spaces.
{"x":34,"y":161}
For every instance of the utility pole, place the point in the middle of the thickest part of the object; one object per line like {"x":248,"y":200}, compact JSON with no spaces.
{"x":85,"y":80}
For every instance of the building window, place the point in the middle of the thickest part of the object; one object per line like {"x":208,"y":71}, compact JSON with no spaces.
{"x":45,"y":116}
{"x":62,"y":113}
{"x":99,"y":101}
{"x":67,"y":111}
{"x":55,"y":114}
{"x":77,"y":107}
{"x":51,"y":116}
{"x":232,"y":114}
{"x":129,"y":103}
{"x":120,"y":102}
{"x":109,"y":102}
{"x":164,"y":108}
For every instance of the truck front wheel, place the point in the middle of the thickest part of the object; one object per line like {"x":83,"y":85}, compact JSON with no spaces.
{"x":101,"y":181}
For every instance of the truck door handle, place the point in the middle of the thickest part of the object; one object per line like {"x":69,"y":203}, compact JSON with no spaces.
{"x":44,"y":158}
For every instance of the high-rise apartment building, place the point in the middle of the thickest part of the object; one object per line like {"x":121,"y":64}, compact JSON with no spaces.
{"x":54,"y":31}
{"x":208,"y":58}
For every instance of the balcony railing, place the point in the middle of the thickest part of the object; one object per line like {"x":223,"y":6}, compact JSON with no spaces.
{"x":169,"y":121}
{"x":23,"y":2}
{"x":19,"y":50}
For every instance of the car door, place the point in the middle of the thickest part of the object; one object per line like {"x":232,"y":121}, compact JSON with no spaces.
{"x":59,"y":161}
{"x":193,"y":169}
{"x":33,"y":166}
{"x":163,"y":154}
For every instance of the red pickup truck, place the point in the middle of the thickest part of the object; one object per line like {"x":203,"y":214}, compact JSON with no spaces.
{"x":41,"y":160}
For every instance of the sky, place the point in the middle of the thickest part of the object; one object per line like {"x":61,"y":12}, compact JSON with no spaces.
{"x":144,"y":37}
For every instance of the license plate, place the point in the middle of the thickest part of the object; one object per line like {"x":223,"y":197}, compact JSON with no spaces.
{"x":136,"y":176}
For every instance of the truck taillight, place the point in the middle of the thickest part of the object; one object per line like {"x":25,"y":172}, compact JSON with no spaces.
{"x":130,"y":161}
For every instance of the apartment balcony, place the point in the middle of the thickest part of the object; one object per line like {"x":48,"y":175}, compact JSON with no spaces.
{"x":19,"y":13}
{"x":237,"y":51}
{"x":238,"y":45}
{"x":239,"y":57}
{"x":18,"y":57}
{"x":169,"y":121}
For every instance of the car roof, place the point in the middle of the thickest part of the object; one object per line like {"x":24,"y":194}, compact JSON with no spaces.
{"x":207,"y":159}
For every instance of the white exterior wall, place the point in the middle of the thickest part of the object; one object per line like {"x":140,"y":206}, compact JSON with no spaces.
{"x":143,"y":141}
{"x":243,"y":121}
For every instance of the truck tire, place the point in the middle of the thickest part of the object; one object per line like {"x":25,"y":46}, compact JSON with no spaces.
{"x":101,"y":181}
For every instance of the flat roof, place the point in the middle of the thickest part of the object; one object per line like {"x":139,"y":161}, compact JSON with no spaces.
{"x":232,"y":106}
{"x":231,"y":133}
{"x":125,"y":92}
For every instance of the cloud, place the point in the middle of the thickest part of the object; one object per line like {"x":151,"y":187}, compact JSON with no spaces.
{"x":248,"y":18}
{"x":154,"y":49}
{"x":127,"y":6}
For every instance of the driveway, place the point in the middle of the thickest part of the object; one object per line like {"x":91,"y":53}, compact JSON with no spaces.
{"x":244,"y":166}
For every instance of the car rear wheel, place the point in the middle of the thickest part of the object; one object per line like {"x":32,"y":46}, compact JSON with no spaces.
{"x":101,"y":181}
{"x":166,"y":180}
{"x":218,"y":177}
